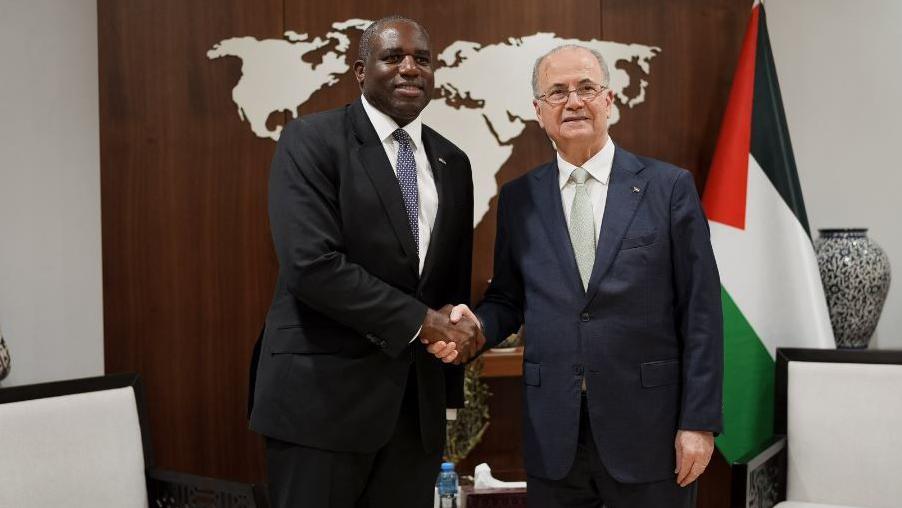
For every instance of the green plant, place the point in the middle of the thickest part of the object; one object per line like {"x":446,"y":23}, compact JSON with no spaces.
{"x":466,"y":431}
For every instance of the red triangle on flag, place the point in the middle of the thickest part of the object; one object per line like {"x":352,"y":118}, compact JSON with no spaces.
{"x":725,"y":193}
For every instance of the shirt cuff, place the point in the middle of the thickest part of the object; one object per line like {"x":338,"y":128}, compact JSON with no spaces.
{"x":451,"y":413}
{"x":416,"y":335}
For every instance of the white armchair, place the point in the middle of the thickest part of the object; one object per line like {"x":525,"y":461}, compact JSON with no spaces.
{"x":85,"y":443}
{"x":841,"y":414}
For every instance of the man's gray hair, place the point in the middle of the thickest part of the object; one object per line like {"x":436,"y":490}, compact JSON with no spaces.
{"x":606,"y":75}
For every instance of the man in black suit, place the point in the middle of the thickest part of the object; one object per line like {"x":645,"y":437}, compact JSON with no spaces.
{"x":605,"y":258}
{"x":371,"y":216}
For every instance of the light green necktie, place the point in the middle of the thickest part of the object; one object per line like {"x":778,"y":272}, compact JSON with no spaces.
{"x":582,"y":226}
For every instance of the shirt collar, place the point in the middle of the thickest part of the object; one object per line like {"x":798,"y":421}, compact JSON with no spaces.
{"x":385,"y":125}
{"x":598,"y":167}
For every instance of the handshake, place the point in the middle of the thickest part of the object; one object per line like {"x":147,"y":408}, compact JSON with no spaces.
{"x":449,"y":336}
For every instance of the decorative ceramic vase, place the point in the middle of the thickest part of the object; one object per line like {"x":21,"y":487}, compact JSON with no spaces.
{"x":856,"y":276}
{"x":4,"y":359}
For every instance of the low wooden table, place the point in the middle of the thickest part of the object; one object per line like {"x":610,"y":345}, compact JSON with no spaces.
{"x":503,"y":363}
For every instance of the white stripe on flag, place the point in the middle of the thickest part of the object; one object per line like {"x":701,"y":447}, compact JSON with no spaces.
{"x":770,"y":270}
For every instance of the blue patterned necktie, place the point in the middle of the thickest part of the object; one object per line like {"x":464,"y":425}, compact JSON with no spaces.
{"x":407,"y":180}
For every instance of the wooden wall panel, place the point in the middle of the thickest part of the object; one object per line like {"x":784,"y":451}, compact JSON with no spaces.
{"x":500,"y":445}
{"x":691,"y":77}
{"x":188,"y":266}
{"x":188,"y":261}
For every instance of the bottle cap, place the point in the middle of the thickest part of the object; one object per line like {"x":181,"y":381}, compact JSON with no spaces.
{"x":447,"y":466}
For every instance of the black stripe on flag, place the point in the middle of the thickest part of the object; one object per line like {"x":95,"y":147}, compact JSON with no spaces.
{"x":770,"y":144}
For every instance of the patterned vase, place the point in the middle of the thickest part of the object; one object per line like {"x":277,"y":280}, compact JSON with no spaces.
{"x":4,"y":359}
{"x":856,"y":276}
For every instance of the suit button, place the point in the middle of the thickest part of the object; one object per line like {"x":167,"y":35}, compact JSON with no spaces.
{"x":584,"y":317}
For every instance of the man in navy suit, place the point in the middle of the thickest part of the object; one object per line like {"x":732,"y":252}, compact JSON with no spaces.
{"x":605,"y":258}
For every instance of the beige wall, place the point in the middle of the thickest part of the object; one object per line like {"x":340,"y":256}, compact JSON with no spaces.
{"x":50,"y":269}
{"x":840,"y":70}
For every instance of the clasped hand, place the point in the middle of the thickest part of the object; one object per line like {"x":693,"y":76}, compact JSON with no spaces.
{"x":451,"y":338}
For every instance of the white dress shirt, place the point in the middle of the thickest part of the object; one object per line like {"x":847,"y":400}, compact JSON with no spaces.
{"x":599,"y":169}
{"x":428,"y":193}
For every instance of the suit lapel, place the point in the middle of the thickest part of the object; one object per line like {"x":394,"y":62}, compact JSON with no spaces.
{"x":441,"y":174}
{"x":625,"y":191}
{"x":371,"y":155}
{"x":547,"y":197}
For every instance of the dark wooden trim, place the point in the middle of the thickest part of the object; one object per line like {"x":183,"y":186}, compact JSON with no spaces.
{"x":738,"y":486}
{"x":786,"y":355}
{"x":87,"y":385}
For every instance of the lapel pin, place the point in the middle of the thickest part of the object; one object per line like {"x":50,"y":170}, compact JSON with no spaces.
{"x":442,"y":161}
{"x":636,"y":189}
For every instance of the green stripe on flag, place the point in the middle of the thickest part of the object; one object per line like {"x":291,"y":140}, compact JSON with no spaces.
{"x":748,"y":390}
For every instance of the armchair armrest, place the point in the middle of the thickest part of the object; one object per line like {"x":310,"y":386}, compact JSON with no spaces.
{"x":759,"y":478}
{"x":170,"y":489}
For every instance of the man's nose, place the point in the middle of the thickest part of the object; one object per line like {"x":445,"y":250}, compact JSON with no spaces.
{"x":574,"y":101}
{"x":408,"y":66}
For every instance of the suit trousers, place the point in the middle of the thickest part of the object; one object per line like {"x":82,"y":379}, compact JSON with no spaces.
{"x":589,"y":485}
{"x":400,"y":474}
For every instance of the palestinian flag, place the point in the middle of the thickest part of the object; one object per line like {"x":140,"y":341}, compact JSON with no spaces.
{"x":772,"y":292}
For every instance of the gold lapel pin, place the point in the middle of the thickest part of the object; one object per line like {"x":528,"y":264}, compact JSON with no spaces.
{"x":636,"y":189}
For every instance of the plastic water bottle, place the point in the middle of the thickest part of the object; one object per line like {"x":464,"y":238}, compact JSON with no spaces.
{"x":447,"y":486}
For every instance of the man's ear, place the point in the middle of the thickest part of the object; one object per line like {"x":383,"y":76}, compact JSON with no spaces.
{"x":359,"y":71}
{"x":536,"y":105}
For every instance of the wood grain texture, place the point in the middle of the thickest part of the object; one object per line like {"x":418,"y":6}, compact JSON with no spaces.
{"x":501,"y":444}
{"x":188,"y":261}
{"x":715,"y":485}
{"x":691,"y":77}
{"x":503,"y":363}
{"x":188,"y":266}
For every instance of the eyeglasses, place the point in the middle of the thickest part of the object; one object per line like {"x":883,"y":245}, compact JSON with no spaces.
{"x":586,"y":93}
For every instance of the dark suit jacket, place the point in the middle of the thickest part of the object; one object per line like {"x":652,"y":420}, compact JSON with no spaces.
{"x":336,"y":349}
{"x":647,"y":335}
